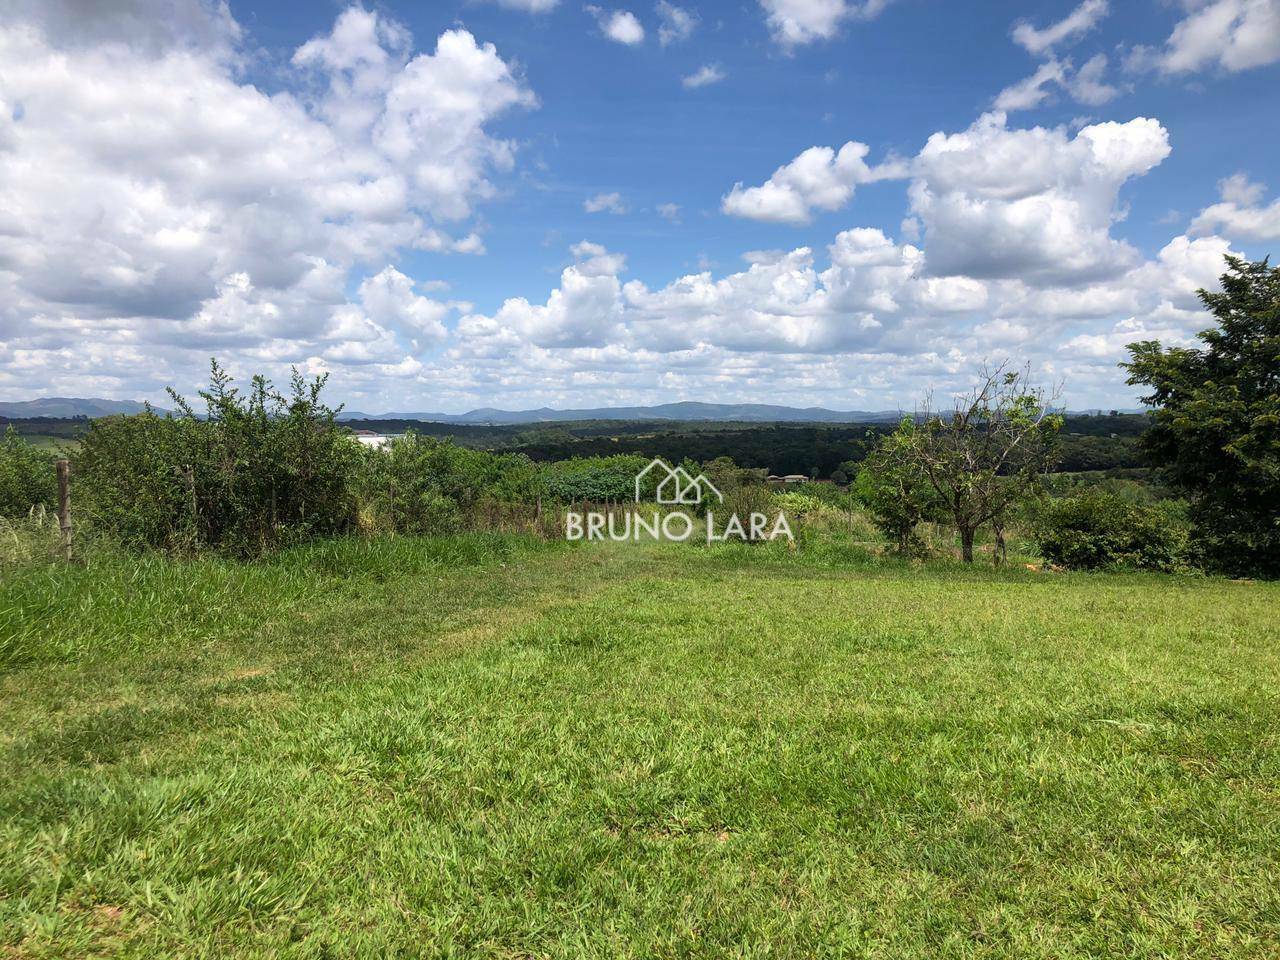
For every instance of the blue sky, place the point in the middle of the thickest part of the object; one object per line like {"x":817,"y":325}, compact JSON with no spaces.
{"x":451,"y":205}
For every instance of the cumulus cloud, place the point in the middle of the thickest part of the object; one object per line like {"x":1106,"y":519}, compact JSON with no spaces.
{"x":1033,"y":203}
{"x":820,"y":178}
{"x":194,"y":208}
{"x":1234,"y":35}
{"x":605,"y":203}
{"x":704,"y":76}
{"x":1070,"y":28}
{"x":203,"y":215}
{"x":677,"y":24}
{"x":389,"y":299}
{"x":1240,"y":212}
{"x":669,"y":211}
{"x":584,"y":311}
{"x":621,"y":26}
{"x":797,"y":22}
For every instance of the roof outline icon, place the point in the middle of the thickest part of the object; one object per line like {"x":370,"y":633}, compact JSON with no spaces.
{"x":678,"y":487}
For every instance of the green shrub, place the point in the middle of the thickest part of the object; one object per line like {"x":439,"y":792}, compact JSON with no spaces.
{"x":597,"y":479}
{"x":254,"y":473}
{"x":1098,"y":530}
{"x":28,"y":480}
{"x":428,"y":485}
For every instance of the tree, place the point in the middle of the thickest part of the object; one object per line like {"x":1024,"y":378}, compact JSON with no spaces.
{"x":27,"y":478}
{"x":1216,"y":423}
{"x":987,"y":454}
{"x":893,"y":486}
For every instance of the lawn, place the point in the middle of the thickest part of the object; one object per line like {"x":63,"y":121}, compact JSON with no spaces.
{"x":484,"y":747}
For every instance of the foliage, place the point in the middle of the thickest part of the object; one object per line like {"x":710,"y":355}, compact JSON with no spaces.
{"x":597,"y":479}
{"x":893,"y":485}
{"x":423,"y":484}
{"x":253,"y":473}
{"x":1217,"y":420}
{"x":28,"y":480}
{"x":985,"y":457}
{"x":1097,"y":530}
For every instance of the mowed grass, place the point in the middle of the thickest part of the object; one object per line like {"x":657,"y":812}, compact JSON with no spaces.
{"x":513,"y":750}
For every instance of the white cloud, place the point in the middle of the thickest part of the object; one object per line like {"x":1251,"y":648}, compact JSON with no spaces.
{"x":1030,"y":92}
{"x":198,"y":209}
{"x":605,"y":203}
{"x":1240,"y":213}
{"x":1033,"y":203}
{"x":389,"y":299}
{"x":1086,"y":85}
{"x":677,"y":24}
{"x":593,"y":260}
{"x":621,"y":26}
{"x":796,"y":22}
{"x":819,"y":178}
{"x":205,"y":216}
{"x":584,"y":311}
{"x":1073,"y":26}
{"x":704,"y":76}
{"x":1235,"y":35}
{"x":669,"y":211}
{"x":529,"y":6}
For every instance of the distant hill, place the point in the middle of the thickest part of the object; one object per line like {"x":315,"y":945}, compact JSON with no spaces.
{"x":683,"y":411}
{"x":686,"y":411}
{"x":67,"y":407}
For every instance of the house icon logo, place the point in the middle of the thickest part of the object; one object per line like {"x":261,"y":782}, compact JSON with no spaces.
{"x":676,"y":486}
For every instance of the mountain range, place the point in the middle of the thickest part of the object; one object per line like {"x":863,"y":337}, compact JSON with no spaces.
{"x":687,"y":411}
{"x":684,"y":411}
{"x":67,"y":407}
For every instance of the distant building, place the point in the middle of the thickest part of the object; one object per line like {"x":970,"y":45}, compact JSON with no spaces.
{"x":791,"y":479}
{"x":371,"y":438}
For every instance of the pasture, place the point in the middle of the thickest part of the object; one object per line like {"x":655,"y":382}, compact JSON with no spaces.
{"x":497,"y":747}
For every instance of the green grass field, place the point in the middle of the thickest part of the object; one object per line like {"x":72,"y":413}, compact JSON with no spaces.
{"x":483,"y":747}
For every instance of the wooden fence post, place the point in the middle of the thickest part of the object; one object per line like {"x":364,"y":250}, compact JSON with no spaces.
{"x":64,"y":506}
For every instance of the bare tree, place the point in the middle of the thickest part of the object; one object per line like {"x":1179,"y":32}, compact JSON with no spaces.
{"x":987,"y":453}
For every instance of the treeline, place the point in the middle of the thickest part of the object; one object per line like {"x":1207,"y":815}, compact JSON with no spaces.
{"x":1086,"y":443}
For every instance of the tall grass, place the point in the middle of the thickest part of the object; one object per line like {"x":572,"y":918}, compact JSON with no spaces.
{"x":114,"y":601}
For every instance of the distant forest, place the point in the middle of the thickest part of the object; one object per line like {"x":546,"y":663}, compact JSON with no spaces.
{"x":1097,"y":442}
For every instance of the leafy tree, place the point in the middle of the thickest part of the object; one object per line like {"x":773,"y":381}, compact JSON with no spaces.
{"x":27,"y":478}
{"x":987,"y":454}
{"x":892,"y":484}
{"x":1217,"y":420}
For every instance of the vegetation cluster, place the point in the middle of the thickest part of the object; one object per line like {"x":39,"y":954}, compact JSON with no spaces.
{"x":262,"y":470}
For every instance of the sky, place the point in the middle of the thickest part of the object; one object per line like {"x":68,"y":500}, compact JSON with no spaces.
{"x":518,"y":203}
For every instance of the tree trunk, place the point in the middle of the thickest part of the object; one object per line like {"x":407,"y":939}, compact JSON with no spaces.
{"x":1001,"y":552}
{"x":966,"y":544}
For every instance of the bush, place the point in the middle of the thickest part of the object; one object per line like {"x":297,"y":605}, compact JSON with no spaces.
{"x":597,"y":479}
{"x":28,"y":480}
{"x":427,"y":485}
{"x":256,"y":472}
{"x":1095,"y":531}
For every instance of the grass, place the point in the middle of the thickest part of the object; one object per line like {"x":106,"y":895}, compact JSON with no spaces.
{"x":490,"y":747}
